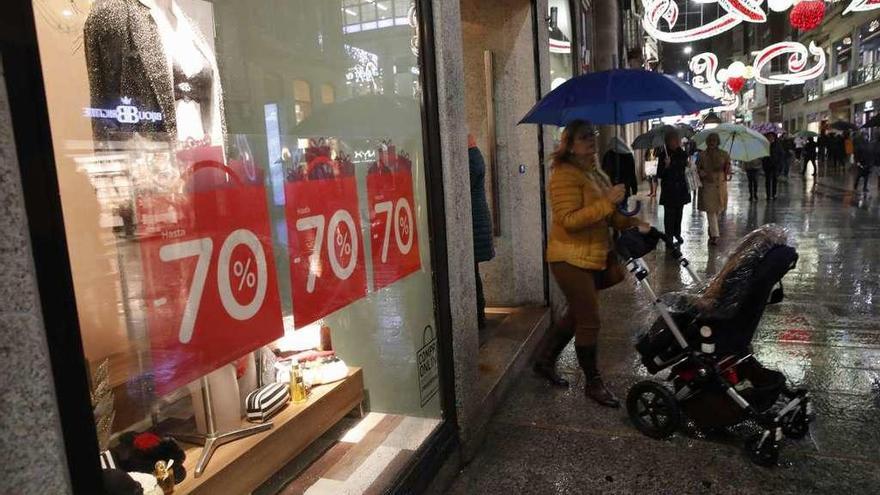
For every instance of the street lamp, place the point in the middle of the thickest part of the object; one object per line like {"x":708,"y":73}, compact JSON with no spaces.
{"x":688,"y":50}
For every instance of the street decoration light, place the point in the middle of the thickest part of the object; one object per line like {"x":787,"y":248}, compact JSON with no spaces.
{"x":807,"y":15}
{"x":736,"y":12}
{"x":798,"y":60}
{"x":861,"y":6}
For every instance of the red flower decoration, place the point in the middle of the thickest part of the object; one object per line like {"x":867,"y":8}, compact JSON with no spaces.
{"x":807,"y":15}
{"x":146,"y":441}
{"x":736,"y":83}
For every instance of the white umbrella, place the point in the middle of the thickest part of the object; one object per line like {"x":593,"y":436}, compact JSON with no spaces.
{"x":740,"y":142}
{"x":656,"y":137}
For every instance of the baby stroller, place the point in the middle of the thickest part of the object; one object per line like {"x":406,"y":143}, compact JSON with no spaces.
{"x":704,"y":342}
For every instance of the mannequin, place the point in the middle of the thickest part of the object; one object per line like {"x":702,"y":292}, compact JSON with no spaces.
{"x":150,"y":52}
{"x":150,"y":56}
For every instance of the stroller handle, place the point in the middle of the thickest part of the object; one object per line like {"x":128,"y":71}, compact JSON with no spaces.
{"x":633,"y":244}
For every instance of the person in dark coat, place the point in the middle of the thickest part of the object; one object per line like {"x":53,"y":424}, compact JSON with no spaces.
{"x":620,"y":166}
{"x":484,"y":250}
{"x":823,"y":147}
{"x":674,"y":192}
{"x":837,"y":150}
{"x":772,"y":165}
{"x":810,"y":155}
{"x":864,"y":156}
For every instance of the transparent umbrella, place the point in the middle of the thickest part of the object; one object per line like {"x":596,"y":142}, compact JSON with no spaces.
{"x":740,"y":142}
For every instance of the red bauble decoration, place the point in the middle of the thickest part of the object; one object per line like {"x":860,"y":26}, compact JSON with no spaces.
{"x":736,"y":83}
{"x":807,"y":15}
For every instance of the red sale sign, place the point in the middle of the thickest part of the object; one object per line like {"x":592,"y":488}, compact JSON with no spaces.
{"x":327,"y":269}
{"x":393,"y":233}
{"x":210,"y":285}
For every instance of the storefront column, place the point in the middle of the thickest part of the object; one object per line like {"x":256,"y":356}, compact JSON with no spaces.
{"x":32,"y":459}
{"x":606,"y":21}
{"x":448,"y":53}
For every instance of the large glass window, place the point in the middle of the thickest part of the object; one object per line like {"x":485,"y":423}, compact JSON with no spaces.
{"x":243,"y":188}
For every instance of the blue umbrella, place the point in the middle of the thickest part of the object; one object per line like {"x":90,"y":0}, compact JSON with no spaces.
{"x":617,"y":97}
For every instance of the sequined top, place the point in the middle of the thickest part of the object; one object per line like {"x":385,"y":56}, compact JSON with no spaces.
{"x":126,"y":59}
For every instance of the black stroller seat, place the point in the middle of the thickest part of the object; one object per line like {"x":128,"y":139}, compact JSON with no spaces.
{"x":704,"y":341}
{"x":731,"y":305}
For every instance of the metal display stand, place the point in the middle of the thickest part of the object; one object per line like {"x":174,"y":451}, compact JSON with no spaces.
{"x":213,"y":439}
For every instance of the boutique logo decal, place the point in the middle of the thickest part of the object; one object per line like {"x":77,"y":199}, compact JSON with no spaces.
{"x":126,"y":113}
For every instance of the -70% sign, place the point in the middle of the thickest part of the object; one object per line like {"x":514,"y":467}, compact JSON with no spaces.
{"x":248,"y":277}
{"x":391,"y":215}
{"x":340,"y":245}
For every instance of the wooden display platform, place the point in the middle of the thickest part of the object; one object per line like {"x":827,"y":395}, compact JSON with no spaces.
{"x":241,"y":466}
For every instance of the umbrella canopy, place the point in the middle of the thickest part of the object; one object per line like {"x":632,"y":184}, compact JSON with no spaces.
{"x":357,"y":118}
{"x":805,"y":134}
{"x":656,"y":137}
{"x":872,"y":122}
{"x":842,"y":125}
{"x":740,"y":142}
{"x":618,"y":96}
{"x":765,"y":127}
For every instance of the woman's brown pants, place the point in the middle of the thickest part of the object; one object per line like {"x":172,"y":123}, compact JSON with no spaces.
{"x":581,"y":288}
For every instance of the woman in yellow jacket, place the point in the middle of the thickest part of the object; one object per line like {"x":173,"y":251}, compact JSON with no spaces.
{"x":579,"y":252}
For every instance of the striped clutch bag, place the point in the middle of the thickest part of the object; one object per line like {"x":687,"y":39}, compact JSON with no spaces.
{"x":265,"y":401}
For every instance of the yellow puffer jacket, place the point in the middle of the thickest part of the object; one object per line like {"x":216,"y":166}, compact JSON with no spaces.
{"x":579,"y":233}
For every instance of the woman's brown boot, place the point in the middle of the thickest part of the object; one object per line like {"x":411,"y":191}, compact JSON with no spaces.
{"x":595,"y":388}
{"x":545,"y":364}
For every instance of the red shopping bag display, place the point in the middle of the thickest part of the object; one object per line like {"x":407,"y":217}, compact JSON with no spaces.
{"x":393,"y":233}
{"x":327,"y":269}
{"x":210,"y":287}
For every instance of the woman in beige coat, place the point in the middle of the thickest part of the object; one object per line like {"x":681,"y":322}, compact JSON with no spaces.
{"x":712,"y":166}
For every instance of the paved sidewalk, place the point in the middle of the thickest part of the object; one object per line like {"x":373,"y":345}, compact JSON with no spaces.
{"x":824,"y":336}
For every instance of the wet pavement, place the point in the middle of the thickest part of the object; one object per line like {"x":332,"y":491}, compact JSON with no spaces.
{"x":824,"y":336}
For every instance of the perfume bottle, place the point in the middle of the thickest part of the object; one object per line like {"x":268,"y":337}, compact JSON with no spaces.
{"x":326,"y":341}
{"x":297,"y":386}
{"x":165,"y":476}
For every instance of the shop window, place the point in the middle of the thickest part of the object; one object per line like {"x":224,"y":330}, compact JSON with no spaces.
{"x":328,"y":94}
{"x":224,"y":238}
{"x":302,"y":100}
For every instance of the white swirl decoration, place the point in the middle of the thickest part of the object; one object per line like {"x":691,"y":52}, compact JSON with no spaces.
{"x":798,"y":59}
{"x":862,"y":6}
{"x":705,"y":69}
{"x":704,"y":66}
{"x":737,"y":11}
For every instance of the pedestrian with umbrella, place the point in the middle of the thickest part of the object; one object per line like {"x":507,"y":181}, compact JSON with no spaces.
{"x":674,"y":191}
{"x":712,"y":166}
{"x":583,"y":201}
{"x":740,"y":143}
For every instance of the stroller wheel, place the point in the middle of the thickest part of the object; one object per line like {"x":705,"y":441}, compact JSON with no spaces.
{"x":653,"y":409}
{"x":763,"y":449}
{"x":796,"y":424}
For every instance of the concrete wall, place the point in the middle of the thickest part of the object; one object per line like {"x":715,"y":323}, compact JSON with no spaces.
{"x":515,"y":276}
{"x":32,"y":458}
